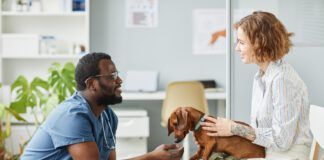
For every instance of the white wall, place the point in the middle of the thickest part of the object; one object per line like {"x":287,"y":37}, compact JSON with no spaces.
{"x":167,"y":48}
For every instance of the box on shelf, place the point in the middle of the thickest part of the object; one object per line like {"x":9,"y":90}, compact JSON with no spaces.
{"x":57,"y":6}
{"x":141,"y":81}
{"x":78,"y":5}
{"x":20,"y":44}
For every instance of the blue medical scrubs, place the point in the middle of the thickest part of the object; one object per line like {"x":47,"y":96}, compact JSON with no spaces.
{"x":70,"y":123}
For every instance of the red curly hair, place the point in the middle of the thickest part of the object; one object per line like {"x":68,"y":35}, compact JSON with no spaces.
{"x":268,"y":36}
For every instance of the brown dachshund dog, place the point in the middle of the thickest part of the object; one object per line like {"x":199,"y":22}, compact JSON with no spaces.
{"x":185,"y":119}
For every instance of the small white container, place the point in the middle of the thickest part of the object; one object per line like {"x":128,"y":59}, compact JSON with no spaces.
{"x":14,"y":45}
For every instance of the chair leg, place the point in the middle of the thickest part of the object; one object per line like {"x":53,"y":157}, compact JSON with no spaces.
{"x":186,"y":145}
{"x":314,"y":151}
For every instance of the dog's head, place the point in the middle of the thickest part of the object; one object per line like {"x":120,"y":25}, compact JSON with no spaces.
{"x":180,"y":122}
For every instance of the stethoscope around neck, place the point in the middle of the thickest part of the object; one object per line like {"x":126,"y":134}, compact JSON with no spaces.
{"x":103,"y":128}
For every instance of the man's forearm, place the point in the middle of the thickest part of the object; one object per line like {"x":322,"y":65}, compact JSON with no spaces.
{"x":112,"y":155}
{"x":243,"y":131}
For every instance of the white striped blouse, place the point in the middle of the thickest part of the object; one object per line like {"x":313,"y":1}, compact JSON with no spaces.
{"x":280,"y":108}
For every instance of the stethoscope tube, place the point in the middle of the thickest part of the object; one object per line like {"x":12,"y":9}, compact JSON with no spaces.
{"x":103,"y":128}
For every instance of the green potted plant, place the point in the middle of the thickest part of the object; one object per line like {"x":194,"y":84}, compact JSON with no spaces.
{"x":5,"y":116}
{"x":42,"y":96}
{"x":61,"y":80}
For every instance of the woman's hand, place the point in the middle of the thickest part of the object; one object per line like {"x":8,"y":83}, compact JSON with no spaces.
{"x":218,"y":127}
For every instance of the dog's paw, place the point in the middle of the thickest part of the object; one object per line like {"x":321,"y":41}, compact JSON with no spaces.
{"x":194,"y":158}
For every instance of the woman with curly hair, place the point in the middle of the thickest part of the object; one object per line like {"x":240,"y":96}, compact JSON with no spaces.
{"x":280,"y":104}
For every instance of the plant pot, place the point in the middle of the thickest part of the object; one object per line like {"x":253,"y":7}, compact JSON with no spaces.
{"x":2,"y":153}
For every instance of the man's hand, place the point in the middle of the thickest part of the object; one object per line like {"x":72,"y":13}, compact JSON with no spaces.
{"x":163,"y":152}
{"x":167,"y":151}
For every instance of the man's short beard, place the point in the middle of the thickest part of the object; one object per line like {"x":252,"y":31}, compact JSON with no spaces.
{"x":109,"y":100}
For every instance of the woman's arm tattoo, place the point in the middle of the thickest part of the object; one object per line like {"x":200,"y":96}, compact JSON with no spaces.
{"x":243,"y":131}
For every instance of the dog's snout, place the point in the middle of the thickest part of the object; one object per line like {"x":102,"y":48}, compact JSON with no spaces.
{"x":178,"y":140}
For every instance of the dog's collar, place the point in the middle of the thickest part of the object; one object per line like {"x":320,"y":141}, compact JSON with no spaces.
{"x":202,"y":119}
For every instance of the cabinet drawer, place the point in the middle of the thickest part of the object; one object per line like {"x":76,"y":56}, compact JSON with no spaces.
{"x":133,"y":127}
{"x":130,"y":147}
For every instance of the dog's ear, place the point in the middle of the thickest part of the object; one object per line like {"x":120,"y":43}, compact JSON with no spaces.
{"x":170,"y":129}
{"x":189,"y":121}
{"x":182,"y":118}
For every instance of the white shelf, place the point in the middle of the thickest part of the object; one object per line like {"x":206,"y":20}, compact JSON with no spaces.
{"x":69,"y":28}
{"x":81,"y":13}
{"x":44,"y":57}
{"x":160,"y":95}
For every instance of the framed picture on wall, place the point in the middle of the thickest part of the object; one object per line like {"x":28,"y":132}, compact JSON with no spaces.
{"x":141,"y":13}
{"x":206,"y":23}
{"x":209,"y":30}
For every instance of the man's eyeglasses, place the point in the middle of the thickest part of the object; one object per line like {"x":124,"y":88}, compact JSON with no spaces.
{"x":112,"y":76}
